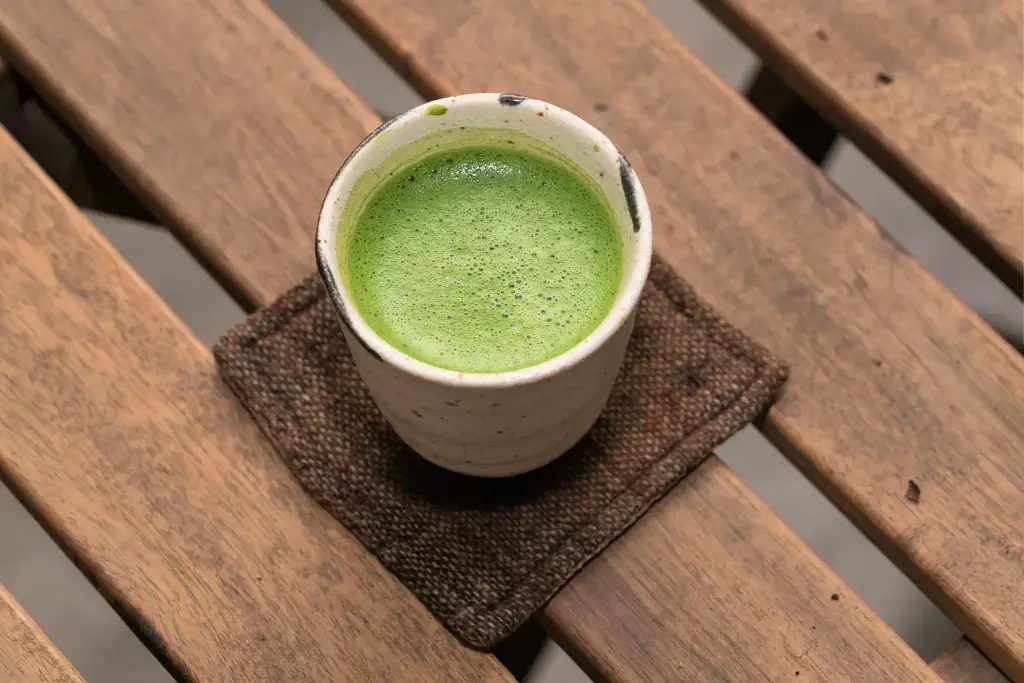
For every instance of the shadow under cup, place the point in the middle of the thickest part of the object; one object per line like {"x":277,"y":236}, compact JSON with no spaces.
{"x":496,"y":424}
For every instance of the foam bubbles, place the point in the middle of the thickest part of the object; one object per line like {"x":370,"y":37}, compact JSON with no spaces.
{"x":490,"y":260}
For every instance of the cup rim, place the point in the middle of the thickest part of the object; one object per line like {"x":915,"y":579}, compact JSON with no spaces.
{"x":379,"y":349}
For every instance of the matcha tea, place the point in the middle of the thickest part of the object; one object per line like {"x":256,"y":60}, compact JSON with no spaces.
{"x":484,"y":259}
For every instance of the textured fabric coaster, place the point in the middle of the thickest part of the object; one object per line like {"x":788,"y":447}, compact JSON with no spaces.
{"x":484,"y":554}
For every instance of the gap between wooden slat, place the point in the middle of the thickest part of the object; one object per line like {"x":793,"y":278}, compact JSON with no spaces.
{"x":282,"y":254}
{"x":930,"y":92}
{"x":962,"y":663}
{"x":26,"y":654}
{"x":164,"y":492}
{"x":893,"y":378}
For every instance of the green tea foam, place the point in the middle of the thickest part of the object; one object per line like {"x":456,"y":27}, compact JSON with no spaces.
{"x":484,"y":259}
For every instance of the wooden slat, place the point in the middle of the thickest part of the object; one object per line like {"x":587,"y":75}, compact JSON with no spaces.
{"x":116,"y":432}
{"x":962,"y":663}
{"x":26,"y":654}
{"x":931,"y":91}
{"x":268,"y":132}
{"x":711,"y":586}
{"x":892,"y":379}
{"x":775,"y":578}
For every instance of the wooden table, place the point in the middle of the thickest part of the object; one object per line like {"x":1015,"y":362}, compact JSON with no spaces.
{"x":116,"y":432}
{"x":26,"y":655}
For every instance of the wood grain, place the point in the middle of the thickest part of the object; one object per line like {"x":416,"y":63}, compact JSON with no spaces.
{"x":223,"y":119}
{"x":117,"y":434}
{"x":711,"y":586}
{"x":699,"y":196}
{"x":892,"y":378}
{"x":810,"y":578}
{"x":962,"y":663}
{"x":26,"y":654}
{"x":931,"y":91}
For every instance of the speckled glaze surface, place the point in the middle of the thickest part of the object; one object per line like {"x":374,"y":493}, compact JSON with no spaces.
{"x":507,"y":423}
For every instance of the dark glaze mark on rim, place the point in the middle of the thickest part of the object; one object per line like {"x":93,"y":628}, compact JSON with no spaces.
{"x":339,"y":305}
{"x":627,"y":177}
{"x":508,"y":99}
{"x":321,"y":265}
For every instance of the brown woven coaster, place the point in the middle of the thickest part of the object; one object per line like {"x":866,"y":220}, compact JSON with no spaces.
{"x":484,"y":554}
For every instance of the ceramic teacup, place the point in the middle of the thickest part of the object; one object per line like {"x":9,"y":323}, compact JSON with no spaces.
{"x":505,"y":423}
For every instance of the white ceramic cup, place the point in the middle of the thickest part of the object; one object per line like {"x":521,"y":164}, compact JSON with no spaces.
{"x":496,"y":424}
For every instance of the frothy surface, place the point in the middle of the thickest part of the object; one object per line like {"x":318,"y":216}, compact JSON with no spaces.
{"x":484,"y":259}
